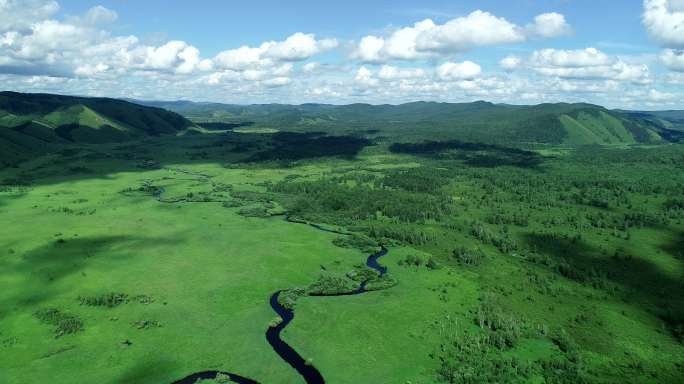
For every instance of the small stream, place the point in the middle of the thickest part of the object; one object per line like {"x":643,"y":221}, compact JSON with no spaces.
{"x":309,"y":373}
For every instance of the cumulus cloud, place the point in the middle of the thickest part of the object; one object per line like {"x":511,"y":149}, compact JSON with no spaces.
{"x":297,"y":47}
{"x":673,"y":59}
{"x":676,"y":78}
{"x":510,"y":63}
{"x":91,"y":70}
{"x":365,"y":77}
{"x":311,"y":67}
{"x":176,"y":56}
{"x":19,"y":15}
{"x":77,"y":47}
{"x":34,"y":42}
{"x":100,"y":15}
{"x":548,"y":25}
{"x":466,"y":70}
{"x":277,"y":81}
{"x":664,"y":21}
{"x":370,"y":49}
{"x":589,"y":63}
{"x":426,"y":39}
{"x":43,"y":50}
{"x":477,"y":29}
{"x":388,"y":72}
{"x":657,"y":96}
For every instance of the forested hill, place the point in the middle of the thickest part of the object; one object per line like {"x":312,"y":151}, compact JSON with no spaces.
{"x":561,"y":123}
{"x":30,"y":123}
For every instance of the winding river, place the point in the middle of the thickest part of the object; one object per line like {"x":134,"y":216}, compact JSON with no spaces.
{"x":309,"y":373}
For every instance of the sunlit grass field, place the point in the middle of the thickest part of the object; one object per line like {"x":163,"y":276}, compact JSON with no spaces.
{"x":195,"y":269}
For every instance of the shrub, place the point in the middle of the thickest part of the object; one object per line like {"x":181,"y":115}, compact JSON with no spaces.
{"x":109,"y":300}
{"x":233,"y":204}
{"x":254,"y":212}
{"x":467,"y":359}
{"x":288,"y":298}
{"x":362,"y":273}
{"x":504,"y":328}
{"x":360,"y":242}
{"x":384,"y":282}
{"x":146,"y":324}
{"x":328,"y":284}
{"x":411,"y":260}
{"x":432,"y":264}
{"x":64,"y":323}
{"x":468,"y":257}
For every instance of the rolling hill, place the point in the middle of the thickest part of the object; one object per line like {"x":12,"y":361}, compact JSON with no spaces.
{"x":558,"y":124}
{"x":34,"y":123}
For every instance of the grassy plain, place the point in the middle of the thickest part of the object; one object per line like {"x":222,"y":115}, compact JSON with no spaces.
{"x":207,"y":270}
{"x":558,"y":268}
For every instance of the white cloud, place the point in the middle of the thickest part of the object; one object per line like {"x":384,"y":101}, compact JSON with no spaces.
{"x":458,"y":71}
{"x":587,"y":57}
{"x":297,"y":47}
{"x":370,"y":49}
{"x":548,"y":25}
{"x":402,"y":44}
{"x":664,"y":21}
{"x":477,"y":29}
{"x":365,"y":77}
{"x":100,"y":15}
{"x":311,"y":67}
{"x":589,"y":63}
{"x":655,"y":95}
{"x":510,"y":63}
{"x":77,"y":47}
{"x":241,"y":58}
{"x":277,"y":81}
{"x":19,"y":15}
{"x":425,"y":39}
{"x":673,"y":59}
{"x":388,"y":72}
{"x":90,"y":70}
{"x":42,"y":50}
{"x":675,"y":78}
{"x":175,"y":55}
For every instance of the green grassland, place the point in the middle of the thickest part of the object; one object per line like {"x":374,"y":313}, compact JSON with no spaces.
{"x":204,"y":271}
{"x":146,"y":261}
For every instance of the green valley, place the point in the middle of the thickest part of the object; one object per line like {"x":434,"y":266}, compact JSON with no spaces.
{"x":525,"y":244}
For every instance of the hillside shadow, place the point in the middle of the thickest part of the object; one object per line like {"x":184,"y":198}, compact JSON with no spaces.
{"x":628,"y":276}
{"x":59,"y":258}
{"x":292,"y":146}
{"x":473,"y":154}
{"x":101,"y":161}
{"x":152,"y":370}
{"x":224,"y":126}
{"x":675,"y":247}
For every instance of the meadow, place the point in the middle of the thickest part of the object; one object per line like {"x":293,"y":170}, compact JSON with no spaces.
{"x":146,"y":261}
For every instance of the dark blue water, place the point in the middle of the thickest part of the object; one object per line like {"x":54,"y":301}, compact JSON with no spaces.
{"x":287,"y":353}
{"x":192,"y":379}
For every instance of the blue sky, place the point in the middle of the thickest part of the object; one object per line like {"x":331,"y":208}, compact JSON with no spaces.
{"x":624,"y":54}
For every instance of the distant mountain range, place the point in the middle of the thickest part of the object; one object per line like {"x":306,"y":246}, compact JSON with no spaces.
{"x":559,"y":123}
{"x":30,"y":123}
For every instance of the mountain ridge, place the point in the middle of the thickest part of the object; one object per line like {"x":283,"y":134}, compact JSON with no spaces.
{"x":33,"y":123}
{"x":546,"y":123}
